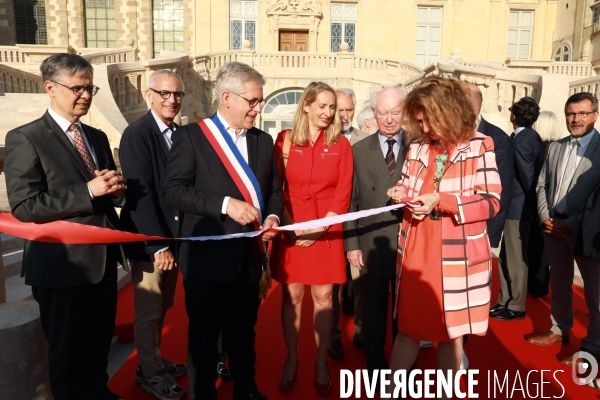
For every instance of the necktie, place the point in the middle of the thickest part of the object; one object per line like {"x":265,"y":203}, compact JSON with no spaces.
{"x":390,"y":160}
{"x":82,"y":150}
{"x":561,"y":203}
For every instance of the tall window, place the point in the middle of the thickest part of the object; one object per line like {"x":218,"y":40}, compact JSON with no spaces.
{"x":596,"y":14}
{"x":563,"y":53}
{"x":242,"y":24}
{"x":168,"y":25}
{"x":343,"y":26}
{"x":429,"y":34}
{"x":100,"y":23}
{"x":520,"y":28}
{"x":30,"y":18}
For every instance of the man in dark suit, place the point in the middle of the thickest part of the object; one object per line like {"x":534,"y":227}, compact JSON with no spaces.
{"x":346,"y":100}
{"x":372,"y":243}
{"x":570,"y":173}
{"x":60,"y":169}
{"x":528,"y":158}
{"x":144,"y":152}
{"x":504,"y":160}
{"x":221,"y":278}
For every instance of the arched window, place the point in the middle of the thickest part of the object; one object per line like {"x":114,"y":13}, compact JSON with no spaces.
{"x":279,"y":111}
{"x":563,"y":53}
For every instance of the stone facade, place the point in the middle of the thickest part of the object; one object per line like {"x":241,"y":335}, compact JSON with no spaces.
{"x":8,"y":35}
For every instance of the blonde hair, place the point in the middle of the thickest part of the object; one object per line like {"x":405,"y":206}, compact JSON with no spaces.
{"x":447,"y":107}
{"x":547,"y":125}
{"x":299,"y":134}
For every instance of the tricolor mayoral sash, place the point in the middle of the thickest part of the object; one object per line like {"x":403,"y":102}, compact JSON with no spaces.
{"x":238,"y":168}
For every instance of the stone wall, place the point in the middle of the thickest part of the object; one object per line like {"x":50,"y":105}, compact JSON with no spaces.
{"x":8,"y":35}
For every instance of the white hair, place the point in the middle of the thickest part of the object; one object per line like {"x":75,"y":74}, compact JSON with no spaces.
{"x":166,"y":72}
{"x":395,"y":89}
{"x":234,"y":76}
{"x":364,"y":114}
{"x":349,"y":93}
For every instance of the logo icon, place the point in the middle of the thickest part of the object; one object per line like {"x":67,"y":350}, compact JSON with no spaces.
{"x":585,"y":368}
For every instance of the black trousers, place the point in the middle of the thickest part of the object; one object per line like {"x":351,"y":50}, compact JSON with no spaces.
{"x":538,"y":282}
{"x":210,"y":306}
{"x":78,"y":323}
{"x":376,"y":291}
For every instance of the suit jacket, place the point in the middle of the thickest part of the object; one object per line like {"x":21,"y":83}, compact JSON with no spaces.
{"x":528,"y":158}
{"x":357,"y":135}
{"x":46,"y":180}
{"x":504,"y":161}
{"x":376,"y":236}
{"x":586,"y":178}
{"x":196,"y":183}
{"x":144,"y":154}
{"x":588,"y":240}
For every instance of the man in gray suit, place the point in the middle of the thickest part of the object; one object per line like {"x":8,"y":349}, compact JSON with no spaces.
{"x":570,"y":173}
{"x":58,"y":169}
{"x":346,"y":106}
{"x":372,"y":243}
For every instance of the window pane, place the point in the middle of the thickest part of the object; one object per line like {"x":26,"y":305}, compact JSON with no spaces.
{"x":336,"y":11}
{"x":236,"y":34}
{"x":422,"y":14}
{"x":434,"y":34}
{"x":250,"y":9}
{"x":512,"y":36}
{"x":250,"y":33}
{"x":514,"y":18}
{"x":349,"y":35}
{"x":565,"y":58}
{"x":350,"y":11}
{"x":525,"y":36}
{"x":523,"y":51}
{"x":30,"y":21}
{"x":435,"y":15}
{"x":511,"y":51}
{"x":336,"y":36}
{"x":100,"y":23}
{"x":236,"y":8}
{"x":526,"y":18}
{"x":421,"y":33}
{"x":420,"y":59}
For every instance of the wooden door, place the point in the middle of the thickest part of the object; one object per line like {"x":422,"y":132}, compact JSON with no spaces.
{"x":293,"y":40}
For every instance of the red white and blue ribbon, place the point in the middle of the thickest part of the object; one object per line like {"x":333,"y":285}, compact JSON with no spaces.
{"x":73,"y":233}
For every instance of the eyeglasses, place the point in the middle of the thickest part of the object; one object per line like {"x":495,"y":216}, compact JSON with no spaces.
{"x":580,"y":114}
{"x":165,"y":94}
{"x":252,"y":103}
{"x":78,"y":90}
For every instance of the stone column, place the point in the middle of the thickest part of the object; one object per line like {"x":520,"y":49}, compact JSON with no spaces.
{"x":57,"y":22}
{"x":24,"y":361}
{"x":76,"y":28}
{"x":8,"y":33}
{"x":145,"y":29}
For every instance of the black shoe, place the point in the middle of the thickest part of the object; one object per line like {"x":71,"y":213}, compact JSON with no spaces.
{"x":496,"y":308}
{"x":251,"y":396}
{"x":359,"y":344}
{"x":335,"y":350}
{"x":508,"y":314}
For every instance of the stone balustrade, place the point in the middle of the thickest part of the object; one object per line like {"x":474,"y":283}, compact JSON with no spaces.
{"x":103,"y":56}
{"x":574,"y":70}
{"x":13,"y":80}
{"x":281,"y":64}
{"x":591,"y":85}
{"x":30,"y":54}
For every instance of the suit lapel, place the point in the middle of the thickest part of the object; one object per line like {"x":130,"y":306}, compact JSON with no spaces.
{"x":252,"y":144}
{"x":61,"y":137}
{"x":585,"y":160}
{"x":158,"y":136}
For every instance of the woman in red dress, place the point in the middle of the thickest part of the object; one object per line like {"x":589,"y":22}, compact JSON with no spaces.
{"x":317,"y":184}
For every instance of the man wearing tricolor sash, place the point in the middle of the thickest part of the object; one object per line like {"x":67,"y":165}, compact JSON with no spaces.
{"x":222,"y":175}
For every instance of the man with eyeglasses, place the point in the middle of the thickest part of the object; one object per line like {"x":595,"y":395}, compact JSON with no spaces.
{"x":570,"y":173}
{"x":144,"y":151}
{"x":59,"y":169}
{"x":222,"y":174}
{"x":371,"y":244}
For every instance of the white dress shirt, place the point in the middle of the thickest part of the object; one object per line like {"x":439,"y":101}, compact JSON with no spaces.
{"x":164,"y":129}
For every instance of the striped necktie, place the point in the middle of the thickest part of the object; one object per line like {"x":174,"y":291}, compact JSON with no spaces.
{"x":390,"y":160}
{"x":82,"y":150}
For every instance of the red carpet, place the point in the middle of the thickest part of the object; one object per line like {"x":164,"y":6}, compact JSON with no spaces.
{"x":503,"y":349}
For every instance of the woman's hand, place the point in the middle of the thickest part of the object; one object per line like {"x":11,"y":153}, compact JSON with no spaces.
{"x":396,"y":193}
{"x":307,"y":238}
{"x":428,"y":201}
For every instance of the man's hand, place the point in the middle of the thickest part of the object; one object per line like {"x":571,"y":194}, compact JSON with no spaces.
{"x":164,"y":261}
{"x":396,"y":193}
{"x":270,"y":222}
{"x":107,"y":182}
{"x":241,"y":212}
{"x":556,"y":227}
{"x":355,"y":258}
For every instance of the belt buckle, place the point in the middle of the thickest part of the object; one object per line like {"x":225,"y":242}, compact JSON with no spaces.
{"x":435,"y":215}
